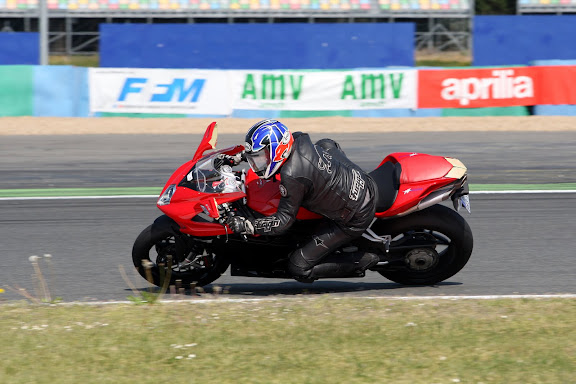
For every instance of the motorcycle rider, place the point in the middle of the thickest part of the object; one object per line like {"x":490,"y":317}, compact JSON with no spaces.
{"x":320,"y":178}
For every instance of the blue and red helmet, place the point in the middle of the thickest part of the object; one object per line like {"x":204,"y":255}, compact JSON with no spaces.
{"x":268,"y":145}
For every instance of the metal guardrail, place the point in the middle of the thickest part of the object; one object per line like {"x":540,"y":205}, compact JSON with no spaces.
{"x":551,"y":9}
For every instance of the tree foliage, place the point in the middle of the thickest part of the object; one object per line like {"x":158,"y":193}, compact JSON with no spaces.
{"x":495,"y":7}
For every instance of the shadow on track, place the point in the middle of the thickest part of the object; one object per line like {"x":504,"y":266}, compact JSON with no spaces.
{"x":319,"y":287}
{"x":293,"y":288}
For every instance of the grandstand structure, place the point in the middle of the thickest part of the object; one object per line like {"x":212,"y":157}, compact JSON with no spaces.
{"x":441,"y":25}
{"x":546,"y":6}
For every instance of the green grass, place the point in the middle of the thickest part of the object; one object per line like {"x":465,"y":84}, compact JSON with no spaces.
{"x":306,"y":339}
{"x":443,"y":63}
{"x":78,"y":61}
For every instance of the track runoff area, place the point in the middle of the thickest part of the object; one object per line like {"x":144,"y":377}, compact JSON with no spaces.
{"x":153,"y":192}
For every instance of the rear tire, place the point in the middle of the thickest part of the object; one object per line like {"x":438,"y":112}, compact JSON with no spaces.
{"x":152,"y":246}
{"x":451,"y":231}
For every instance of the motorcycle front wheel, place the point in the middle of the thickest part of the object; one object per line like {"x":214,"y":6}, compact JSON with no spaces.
{"x":430,"y":246}
{"x":158,"y":256}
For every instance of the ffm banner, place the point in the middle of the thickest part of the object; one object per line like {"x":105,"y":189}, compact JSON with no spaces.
{"x":324,"y":90}
{"x":131,"y":90}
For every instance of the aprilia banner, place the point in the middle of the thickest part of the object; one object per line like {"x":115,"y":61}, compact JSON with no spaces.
{"x":557,"y":84}
{"x":324,"y":90}
{"x":496,"y":87}
{"x":129,"y":90}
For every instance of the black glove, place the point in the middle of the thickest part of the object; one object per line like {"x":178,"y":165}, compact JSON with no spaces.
{"x":239,"y":224}
{"x":224,"y":159}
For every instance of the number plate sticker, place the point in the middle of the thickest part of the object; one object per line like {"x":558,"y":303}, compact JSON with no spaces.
{"x":465,"y":202}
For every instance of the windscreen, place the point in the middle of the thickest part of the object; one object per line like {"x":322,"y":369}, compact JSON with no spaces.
{"x":203,"y":177}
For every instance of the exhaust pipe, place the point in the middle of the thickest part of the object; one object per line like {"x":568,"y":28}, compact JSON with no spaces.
{"x":430,"y":200}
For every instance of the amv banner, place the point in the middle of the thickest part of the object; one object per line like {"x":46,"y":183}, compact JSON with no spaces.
{"x":129,"y":90}
{"x":324,"y":90}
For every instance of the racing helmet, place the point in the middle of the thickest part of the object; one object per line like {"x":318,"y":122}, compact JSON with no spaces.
{"x":268,"y":145}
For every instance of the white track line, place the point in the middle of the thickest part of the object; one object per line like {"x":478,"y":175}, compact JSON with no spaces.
{"x":156,"y":196}
{"x":223,"y":299}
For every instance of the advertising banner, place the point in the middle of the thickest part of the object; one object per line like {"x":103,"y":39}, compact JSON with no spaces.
{"x":61,"y":90}
{"x":324,"y":90}
{"x":496,"y":87}
{"x":557,"y":84}
{"x":16,"y":90}
{"x":477,"y":88}
{"x":131,"y":90}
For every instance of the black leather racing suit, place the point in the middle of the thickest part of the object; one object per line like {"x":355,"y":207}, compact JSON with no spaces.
{"x":320,"y":178}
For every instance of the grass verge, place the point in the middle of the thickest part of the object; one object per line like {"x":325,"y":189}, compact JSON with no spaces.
{"x":423,"y":59}
{"x":307,"y":339}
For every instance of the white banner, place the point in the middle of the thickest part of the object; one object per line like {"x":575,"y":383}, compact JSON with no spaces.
{"x":325,"y":90}
{"x":176,"y":91}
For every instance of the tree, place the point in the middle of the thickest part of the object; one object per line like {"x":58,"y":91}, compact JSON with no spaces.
{"x":495,"y":7}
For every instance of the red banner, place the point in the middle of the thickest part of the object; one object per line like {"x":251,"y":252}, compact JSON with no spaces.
{"x":496,"y":87}
{"x":558,"y":84}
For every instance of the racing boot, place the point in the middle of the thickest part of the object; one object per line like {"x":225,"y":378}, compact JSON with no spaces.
{"x":352,"y":264}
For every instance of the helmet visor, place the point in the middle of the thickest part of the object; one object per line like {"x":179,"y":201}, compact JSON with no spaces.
{"x":259,"y":161}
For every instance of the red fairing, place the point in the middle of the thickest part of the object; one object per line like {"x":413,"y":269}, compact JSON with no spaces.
{"x":186,"y":204}
{"x":208,"y":141}
{"x":421,"y":174}
{"x":264,"y":196}
{"x":421,"y":167}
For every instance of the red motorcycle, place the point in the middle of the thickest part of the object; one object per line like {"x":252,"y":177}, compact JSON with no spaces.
{"x":419,"y":241}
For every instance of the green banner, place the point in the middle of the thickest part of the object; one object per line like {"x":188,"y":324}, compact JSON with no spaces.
{"x":17,"y":90}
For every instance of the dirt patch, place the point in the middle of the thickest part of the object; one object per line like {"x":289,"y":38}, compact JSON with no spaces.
{"x":119,"y":125}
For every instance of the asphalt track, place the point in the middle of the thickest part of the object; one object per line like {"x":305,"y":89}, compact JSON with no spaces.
{"x":524,"y":243}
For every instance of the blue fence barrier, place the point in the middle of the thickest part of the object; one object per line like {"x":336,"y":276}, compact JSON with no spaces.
{"x":61,"y":91}
{"x":520,"y":39}
{"x":19,"y":48}
{"x":257,"y":46}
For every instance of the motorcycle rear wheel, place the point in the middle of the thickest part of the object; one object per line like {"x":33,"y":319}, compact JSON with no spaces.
{"x":151,"y":246}
{"x":426,"y":266}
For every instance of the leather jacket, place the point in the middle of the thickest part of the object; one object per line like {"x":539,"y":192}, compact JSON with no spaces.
{"x":320,"y":178}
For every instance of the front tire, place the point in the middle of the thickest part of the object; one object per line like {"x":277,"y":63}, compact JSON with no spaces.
{"x":428,"y":265}
{"x":154,"y":248}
